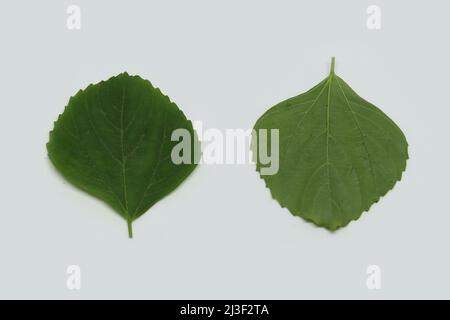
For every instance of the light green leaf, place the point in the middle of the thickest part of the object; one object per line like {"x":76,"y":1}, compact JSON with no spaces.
{"x":113,"y":140}
{"x":338,"y":153}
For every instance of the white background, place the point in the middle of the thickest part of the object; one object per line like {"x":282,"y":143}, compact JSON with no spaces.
{"x":220,"y":235}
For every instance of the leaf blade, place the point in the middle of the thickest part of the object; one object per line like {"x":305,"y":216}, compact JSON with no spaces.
{"x":335,"y":159}
{"x":113,"y":141}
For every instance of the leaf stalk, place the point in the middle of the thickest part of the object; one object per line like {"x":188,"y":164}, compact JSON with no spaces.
{"x":333,"y":59}
{"x":130,"y":228}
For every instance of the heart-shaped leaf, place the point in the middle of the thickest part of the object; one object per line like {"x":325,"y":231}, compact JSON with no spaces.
{"x":338,"y":153}
{"x":113,"y":140}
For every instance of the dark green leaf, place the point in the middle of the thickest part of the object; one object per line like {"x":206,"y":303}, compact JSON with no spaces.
{"x":338,"y":153}
{"x":113,"y":140}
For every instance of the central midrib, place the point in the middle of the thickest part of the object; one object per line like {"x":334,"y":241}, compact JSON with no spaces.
{"x":122,"y":146}
{"x":330,"y":81}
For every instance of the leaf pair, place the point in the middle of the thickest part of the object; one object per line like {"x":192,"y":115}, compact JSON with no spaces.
{"x":338,"y":153}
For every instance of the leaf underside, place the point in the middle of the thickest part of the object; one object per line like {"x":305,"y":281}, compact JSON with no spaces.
{"x":113,"y":140}
{"x":338,"y":153}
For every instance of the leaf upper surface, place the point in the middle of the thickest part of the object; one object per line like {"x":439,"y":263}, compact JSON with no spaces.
{"x":113,"y":140}
{"x":338,"y":153}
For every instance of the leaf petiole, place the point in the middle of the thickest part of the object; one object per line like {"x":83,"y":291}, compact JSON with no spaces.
{"x":333,"y":59}
{"x":130,"y":228}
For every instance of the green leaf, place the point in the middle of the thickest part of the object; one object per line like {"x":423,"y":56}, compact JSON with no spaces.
{"x":113,"y":140}
{"x":338,"y":153}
